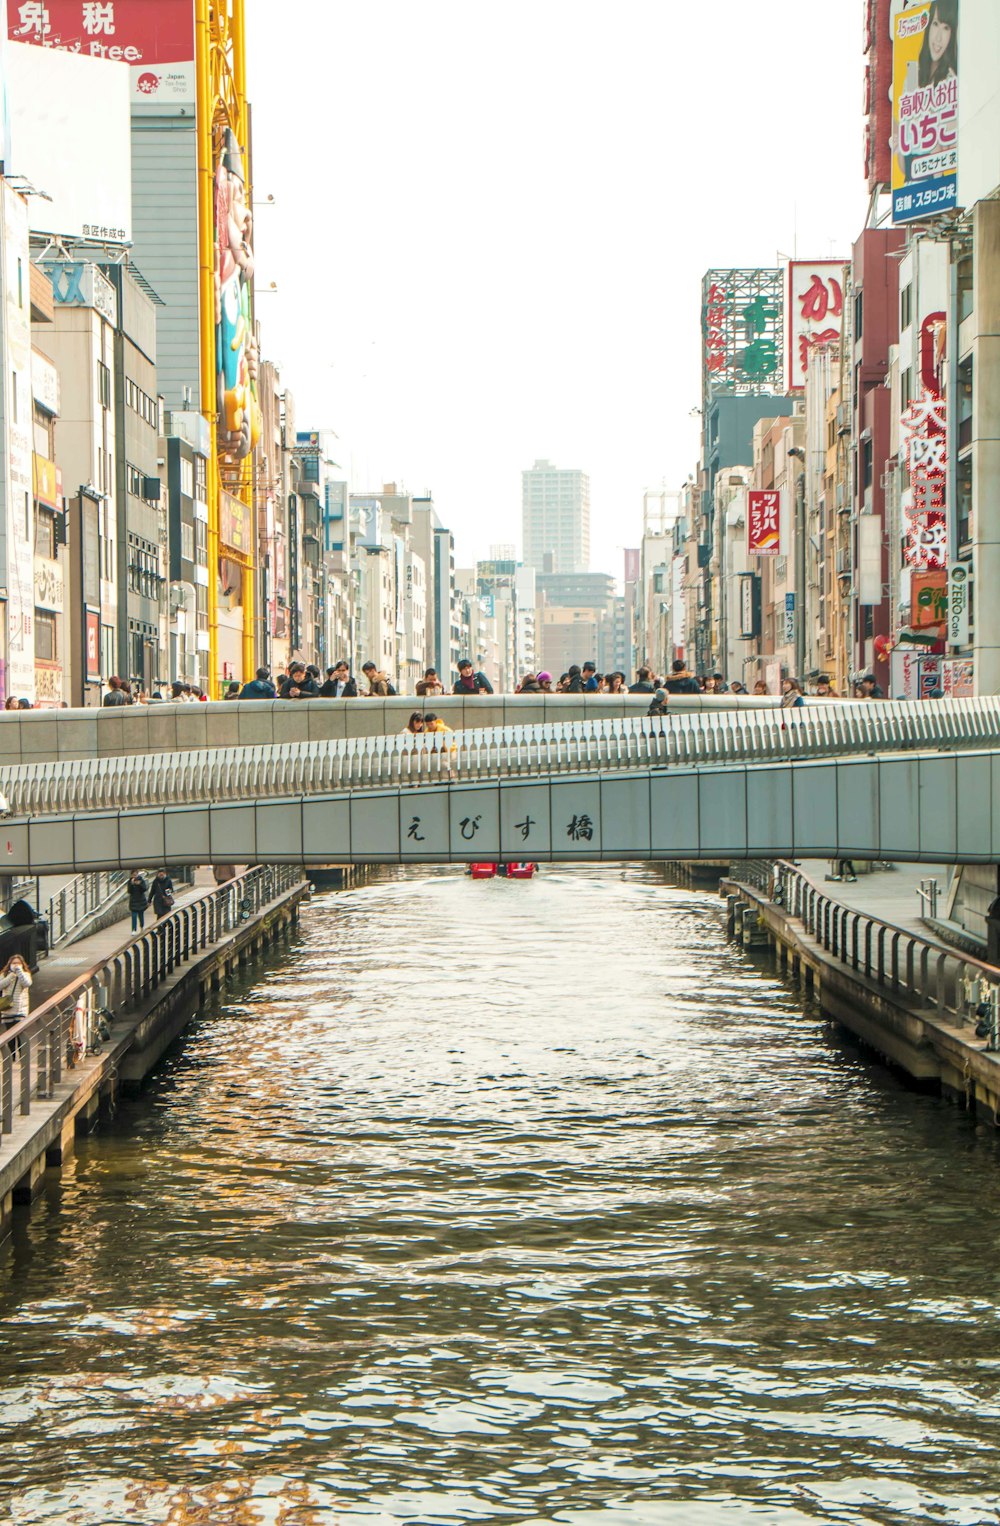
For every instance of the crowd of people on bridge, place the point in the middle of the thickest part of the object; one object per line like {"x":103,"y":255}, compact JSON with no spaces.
{"x":301,"y":680}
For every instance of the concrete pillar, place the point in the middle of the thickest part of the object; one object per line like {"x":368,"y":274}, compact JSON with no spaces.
{"x":62,"y":1147}
{"x":6,"y":1214}
{"x":85,"y":1120}
{"x":28,"y":1188}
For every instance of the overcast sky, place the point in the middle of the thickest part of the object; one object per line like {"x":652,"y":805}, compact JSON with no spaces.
{"x":491,"y":222}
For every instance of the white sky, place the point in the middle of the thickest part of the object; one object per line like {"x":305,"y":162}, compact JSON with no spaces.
{"x":491,"y":223}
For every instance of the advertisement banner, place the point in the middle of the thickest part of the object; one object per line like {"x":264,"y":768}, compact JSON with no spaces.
{"x":789,"y":618}
{"x":742,"y":317}
{"x":234,"y":524}
{"x":763,"y":522}
{"x":958,"y":677}
{"x":47,"y":483}
{"x":749,"y":606}
{"x":815,"y":312}
{"x":240,"y":418}
{"x":93,"y":653}
{"x":959,"y":591}
{"x":154,"y":37}
{"x":68,"y":111}
{"x":928,"y":599}
{"x":925,"y":111}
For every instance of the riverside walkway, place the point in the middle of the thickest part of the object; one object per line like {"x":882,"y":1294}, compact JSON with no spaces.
{"x":864,"y":951}
{"x":149,"y":985}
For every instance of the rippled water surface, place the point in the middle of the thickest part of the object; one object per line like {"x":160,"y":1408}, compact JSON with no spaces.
{"x":510,"y":1202}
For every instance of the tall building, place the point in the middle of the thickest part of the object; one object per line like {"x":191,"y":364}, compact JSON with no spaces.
{"x":555,"y":519}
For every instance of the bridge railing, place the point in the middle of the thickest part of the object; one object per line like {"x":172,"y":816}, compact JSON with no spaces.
{"x":958,"y":986}
{"x":674,"y":740}
{"x":35,"y":1053}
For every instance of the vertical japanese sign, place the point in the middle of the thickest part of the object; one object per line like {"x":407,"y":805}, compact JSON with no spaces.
{"x":815,"y":312}
{"x":763,"y":522}
{"x":925,"y":111}
{"x":923,"y":427}
{"x":742,"y":320}
{"x":154,"y":37}
{"x":959,"y":591}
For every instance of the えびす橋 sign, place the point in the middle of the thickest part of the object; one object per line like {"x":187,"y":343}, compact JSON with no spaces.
{"x":763,"y":522}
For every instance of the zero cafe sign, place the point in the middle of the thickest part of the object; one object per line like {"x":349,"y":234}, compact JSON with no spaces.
{"x":764,"y":522}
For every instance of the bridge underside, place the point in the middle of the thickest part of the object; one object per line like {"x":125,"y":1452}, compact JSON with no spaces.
{"x":920,"y":807}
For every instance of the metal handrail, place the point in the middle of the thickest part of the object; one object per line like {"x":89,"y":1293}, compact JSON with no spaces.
{"x":35,"y":1050}
{"x":678,"y":740}
{"x":958,"y":986}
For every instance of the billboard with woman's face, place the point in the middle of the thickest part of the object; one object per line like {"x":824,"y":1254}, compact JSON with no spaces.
{"x":239,"y":414}
{"x":925,"y":111}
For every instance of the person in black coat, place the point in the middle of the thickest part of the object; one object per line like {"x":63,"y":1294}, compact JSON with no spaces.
{"x":299,"y":684}
{"x":339,"y":683}
{"x":138,"y":899}
{"x":259,"y":687}
{"x":161,"y":893}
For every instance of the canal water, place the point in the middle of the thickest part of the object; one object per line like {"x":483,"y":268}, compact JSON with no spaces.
{"x":518,"y":1203}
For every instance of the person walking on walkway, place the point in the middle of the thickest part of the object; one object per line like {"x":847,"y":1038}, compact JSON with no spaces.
{"x":15,"y":983}
{"x":791,"y":694}
{"x":138,"y":900}
{"x":161,"y":893}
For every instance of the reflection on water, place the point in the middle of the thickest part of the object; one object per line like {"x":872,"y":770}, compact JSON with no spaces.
{"x":509,"y":1202}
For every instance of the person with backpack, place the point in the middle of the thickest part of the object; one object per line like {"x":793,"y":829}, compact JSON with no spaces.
{"x":379,"y":686}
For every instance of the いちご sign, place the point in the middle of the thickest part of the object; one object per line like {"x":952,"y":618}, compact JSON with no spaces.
{"x":925,"y":111}
{"x":763,"y":522}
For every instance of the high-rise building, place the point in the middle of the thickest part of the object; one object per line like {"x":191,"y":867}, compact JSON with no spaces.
{"x":555,"y":510}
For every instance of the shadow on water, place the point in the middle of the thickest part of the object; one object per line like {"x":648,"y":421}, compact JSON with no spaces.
{"x":509,"y":1202}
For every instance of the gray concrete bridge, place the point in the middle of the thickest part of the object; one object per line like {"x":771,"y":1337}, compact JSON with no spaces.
{"x":897,"y":781}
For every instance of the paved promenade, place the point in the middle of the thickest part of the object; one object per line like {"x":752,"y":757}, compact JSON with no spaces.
{"x":71,"y":961}
{"x":890,"y":894}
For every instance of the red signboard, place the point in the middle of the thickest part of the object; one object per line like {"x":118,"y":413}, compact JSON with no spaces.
{"x":815,"y":312}
{"x":155,"y":37}
{"x":763,"y":522}
{"x":93,"y":646}
{"x":878,"y":91}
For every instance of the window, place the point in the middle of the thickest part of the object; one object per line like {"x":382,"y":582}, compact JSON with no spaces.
{"x":905,"y":387}
{"x":201,"y":542}
{"x":906,"y":306}
{"x":45,"y":534}
{"x":187,"y":540}
{"x":201,"y":479}
{"x":103,"y":385}
{"x":867,"y":463}
{"x":45,"y":636}
{"x":859,"y":314}
{"x":187,"y":478}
